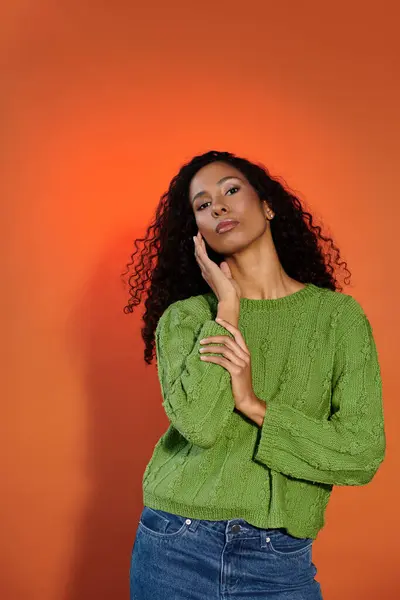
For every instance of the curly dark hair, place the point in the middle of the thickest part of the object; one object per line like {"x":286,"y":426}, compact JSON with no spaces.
{"x":168,"y":270}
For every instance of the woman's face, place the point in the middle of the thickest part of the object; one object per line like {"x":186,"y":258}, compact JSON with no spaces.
{"x":219,"y":191}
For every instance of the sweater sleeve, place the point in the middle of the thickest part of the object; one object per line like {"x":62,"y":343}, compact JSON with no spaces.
{"x":348,"y":447}
{"x":197,"y":395}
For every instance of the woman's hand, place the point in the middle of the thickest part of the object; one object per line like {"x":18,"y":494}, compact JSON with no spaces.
{"x":236,"y":359}
{"x":219,"y":278}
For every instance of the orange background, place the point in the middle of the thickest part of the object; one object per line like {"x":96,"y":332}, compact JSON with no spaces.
{"x":103,"y":101}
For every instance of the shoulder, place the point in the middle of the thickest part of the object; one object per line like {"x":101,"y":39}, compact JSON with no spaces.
{"x":339,"y":303}
{"x":195,"y":309}
{"x":347,"y":314}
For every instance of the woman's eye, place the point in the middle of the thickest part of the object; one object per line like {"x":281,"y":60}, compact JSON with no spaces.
{"x":232,"y":188}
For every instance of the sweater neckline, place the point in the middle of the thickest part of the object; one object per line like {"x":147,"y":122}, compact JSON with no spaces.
{"x":264,"y":304}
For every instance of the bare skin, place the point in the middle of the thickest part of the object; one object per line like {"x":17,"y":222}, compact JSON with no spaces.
{"x":251,"y":268}
{"x":248,"y":249}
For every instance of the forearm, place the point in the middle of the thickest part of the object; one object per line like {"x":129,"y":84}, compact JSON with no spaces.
{"x":197,"y":396}
{"x":333,"y":451}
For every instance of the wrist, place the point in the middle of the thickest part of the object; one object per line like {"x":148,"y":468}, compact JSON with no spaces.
{"x":254,"y":409}
{"x":229,"y":311}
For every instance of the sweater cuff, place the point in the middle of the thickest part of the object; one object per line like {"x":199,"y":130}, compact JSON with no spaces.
{"x":274,"y":433}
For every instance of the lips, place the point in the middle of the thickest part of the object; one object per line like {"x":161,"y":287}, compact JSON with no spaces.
{"x":226,"y":225}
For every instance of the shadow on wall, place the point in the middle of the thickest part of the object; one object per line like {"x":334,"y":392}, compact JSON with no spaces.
{"x":123,"y":405}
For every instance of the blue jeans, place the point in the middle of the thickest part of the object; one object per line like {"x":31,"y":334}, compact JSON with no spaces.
{"x":178,"y":558}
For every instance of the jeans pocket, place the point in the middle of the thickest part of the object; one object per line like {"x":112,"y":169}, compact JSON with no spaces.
{"x":282,"y":543}
{"x":161,"y":523}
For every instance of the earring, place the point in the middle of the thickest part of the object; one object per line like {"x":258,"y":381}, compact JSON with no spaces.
{"x":270,"y":213}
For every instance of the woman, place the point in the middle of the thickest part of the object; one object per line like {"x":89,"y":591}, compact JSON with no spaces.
{"x":270,"y":380}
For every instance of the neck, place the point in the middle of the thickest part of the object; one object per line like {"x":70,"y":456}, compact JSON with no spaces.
{"x":259,"y":273}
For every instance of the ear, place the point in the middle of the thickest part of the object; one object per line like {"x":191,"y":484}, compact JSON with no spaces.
{"x":268,"y":212}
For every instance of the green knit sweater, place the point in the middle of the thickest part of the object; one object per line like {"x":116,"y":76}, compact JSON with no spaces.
{"x":315,"y":364}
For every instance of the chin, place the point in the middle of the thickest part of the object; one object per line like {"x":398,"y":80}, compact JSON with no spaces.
{"x":231,"y":247}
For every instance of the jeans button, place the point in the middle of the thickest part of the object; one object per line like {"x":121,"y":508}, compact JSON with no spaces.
{"x":235,"y":528}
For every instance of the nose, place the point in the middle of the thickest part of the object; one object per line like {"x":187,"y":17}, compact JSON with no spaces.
{"x":219,"y":207}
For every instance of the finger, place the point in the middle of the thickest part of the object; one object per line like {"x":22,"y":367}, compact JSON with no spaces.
{"x":202,"y":266}
{"x":198,"y":254}
{"x":198,"y":247}
{"x":224,"y":270}
{"x":218,"y":360}
{"x":214,"y":339}
{"x":205,"y":271}
{"x":201,"y":247}
{"x":203,"y":244}
{"x":231,"y":344}
{"x":235,"y":332}
{"x":227,"y":352}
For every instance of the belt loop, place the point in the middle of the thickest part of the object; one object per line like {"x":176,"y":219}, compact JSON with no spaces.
{"x":264,"y":539}
{"x":194,"y":524}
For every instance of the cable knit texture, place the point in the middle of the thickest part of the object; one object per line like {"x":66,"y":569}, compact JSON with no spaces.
{"x":314,"y":364}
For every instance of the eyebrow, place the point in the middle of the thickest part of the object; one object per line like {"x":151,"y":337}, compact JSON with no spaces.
{"x":202,"y":193}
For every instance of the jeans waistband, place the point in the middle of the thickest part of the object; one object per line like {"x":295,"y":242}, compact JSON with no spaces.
{"x":234,"y":528}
